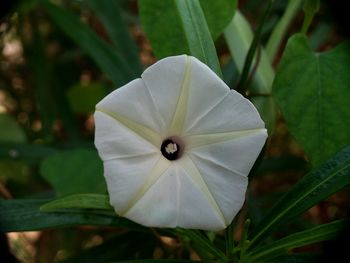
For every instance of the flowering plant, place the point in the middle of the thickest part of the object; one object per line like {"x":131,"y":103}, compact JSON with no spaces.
{"x":172,"y":131}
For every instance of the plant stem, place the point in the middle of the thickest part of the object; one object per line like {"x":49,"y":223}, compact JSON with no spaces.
{"x":242,"y":85}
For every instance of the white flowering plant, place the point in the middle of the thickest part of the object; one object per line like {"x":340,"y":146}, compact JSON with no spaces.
{"x":214,"y":142}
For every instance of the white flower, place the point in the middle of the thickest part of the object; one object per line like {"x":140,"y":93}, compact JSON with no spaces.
{"x":177,"y":145}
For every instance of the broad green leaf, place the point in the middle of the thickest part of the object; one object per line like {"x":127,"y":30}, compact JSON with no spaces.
{"x":314,"y":187}
{"x":106,"y":57}
{"x":25,"y":215}
{"x":10,"y":131}
{"x":218,"y":14}
{"x":74,"y":171}
{"x":83,"y":99}
{"x":309,"y":236}
{"x":86,"y":201}
{"x":110,"y":15}
{"x":166,"y":31}
{"x":312,"y":90}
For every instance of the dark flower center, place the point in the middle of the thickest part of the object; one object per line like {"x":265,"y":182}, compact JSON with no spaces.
{"x":171,"y":149}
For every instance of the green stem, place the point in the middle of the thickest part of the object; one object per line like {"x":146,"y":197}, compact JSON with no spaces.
{"x":242,"y":85}
{"x":281,"y":27}
{"x":310,"y":9}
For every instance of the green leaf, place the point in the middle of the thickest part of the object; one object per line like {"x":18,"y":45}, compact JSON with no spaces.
{"x":86,"y":201}
{"x":312,"y":90}
{"x":332,"y":176}
{"x":108,"y":59}
{"x":197,"y":33}
{"x":309,"y":236}
{"x":83,"y":99}
{"x":218,"y":14}
{"x":110,"y":15}
{"x":74,"y":171}
{"x":25,"y":215}
{"x":10,"y":130}
{"x":177,"y":27}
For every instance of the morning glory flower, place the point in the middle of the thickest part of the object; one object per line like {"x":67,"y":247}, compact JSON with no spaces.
{"x":177,"y":145}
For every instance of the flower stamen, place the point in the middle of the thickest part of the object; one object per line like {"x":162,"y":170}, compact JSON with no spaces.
{"x":171,"y":149}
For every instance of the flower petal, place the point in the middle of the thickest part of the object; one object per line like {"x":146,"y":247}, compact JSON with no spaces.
{"x":132,"y":103}
{"x":175,"y":200}
{"x":226,"y":186}
{"x":205,"y":92}
{"x":126,"y":177}
{"x":114,"y":140}
{"x":232,"y":113}
{"x":165,"y":81}
{"x":237,"y":155}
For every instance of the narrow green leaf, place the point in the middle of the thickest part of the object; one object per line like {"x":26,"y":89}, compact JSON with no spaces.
{"x":312,"y":90}
{"x":309,"y":236}
{"x":25,"y":215}
{"x":74,"y":171}
{"x":197,"y":33}
{"x":111,"y":62}
{"x":110,"y":14}
{"x":86,"y":201}
{"x":313,"y":188}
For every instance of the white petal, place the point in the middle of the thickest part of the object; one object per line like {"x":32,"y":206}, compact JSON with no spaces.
{"x":205,"y":92}
{"x":176,"y":200}
{"x":158,"y":206}
{"x":126,"y":177}
{"x":198,"y":207}
{"x":164,"y":80}
{"x":133,"y":102}
{"x":233,"y":113}
{"x":237,"y":155}
{"x":227,"y":187}
{"x":114,"y":140}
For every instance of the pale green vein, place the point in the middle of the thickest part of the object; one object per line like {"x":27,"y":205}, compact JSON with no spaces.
{"x":195,"y":175}
{"x":194,"y":141}
{"x":142,"y":131}
{"x":157,"y":171}
{"x":181,"y":108}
